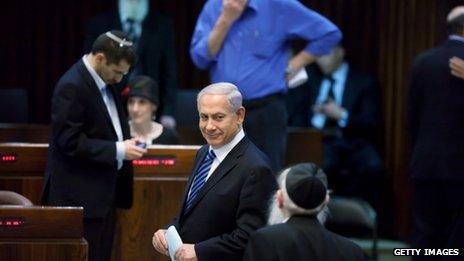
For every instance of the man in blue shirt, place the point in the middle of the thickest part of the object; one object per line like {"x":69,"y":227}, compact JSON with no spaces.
{"x":247,"y":42}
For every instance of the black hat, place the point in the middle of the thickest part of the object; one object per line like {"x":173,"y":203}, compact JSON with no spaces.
{"x":144,"y":86}
{"x":306,"y":185}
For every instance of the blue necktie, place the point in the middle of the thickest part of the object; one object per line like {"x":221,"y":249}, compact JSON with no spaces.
{"x":200,"y":178}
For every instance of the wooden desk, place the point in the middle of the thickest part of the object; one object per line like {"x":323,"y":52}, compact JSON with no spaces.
{"x":36,"y":133}
{"x":159,"y":183}
{"x":45,"y":233}
{"x":303,"y":144}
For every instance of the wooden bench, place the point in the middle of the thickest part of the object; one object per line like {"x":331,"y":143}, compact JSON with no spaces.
{"x":42,"y":233}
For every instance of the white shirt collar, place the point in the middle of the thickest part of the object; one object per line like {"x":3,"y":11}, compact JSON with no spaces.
{"x":340,"y":74}
{"x":222,"y":152}
{"x":98,"y":80}
{"x":456,"y":37}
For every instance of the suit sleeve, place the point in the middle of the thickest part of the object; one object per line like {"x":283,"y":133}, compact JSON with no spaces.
{"x":250,"y":215}
{"x":258,"y":249}
{"x":68,"y":121}
{"x":367,"y":114}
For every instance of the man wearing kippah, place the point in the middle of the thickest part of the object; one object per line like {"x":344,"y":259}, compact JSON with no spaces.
{"x":301,"y":197}
{"x":90,"y":151}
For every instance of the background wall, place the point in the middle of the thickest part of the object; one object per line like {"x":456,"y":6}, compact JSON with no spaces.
{"x":41,"y":39}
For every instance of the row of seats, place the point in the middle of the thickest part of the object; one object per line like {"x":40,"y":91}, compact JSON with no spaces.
{"x":348,"y":217}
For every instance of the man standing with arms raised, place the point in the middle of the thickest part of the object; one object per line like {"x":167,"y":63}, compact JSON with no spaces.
{"x":247,"y":43}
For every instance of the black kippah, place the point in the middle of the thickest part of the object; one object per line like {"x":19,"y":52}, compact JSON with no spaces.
{"x":304,"y":188}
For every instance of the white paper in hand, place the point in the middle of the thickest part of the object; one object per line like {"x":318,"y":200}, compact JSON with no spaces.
{"x":174,"y":241}
{"x":300,"y":77}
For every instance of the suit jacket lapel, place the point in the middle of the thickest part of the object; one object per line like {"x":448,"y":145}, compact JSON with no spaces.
{"x":222,"y":170}
{"x":121,"y":114}
{"x":96,"y":94}
{"x":315,"y":87}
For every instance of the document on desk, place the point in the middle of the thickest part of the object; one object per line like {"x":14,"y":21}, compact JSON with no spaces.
{"x":174,"y":241}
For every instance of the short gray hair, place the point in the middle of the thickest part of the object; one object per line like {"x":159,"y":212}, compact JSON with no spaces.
{"x":234,"y":97}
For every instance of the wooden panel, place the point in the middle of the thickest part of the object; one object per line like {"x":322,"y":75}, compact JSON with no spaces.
{"x":158,"y":201}
{"x":44,"y":250}
{"x":303,"y":145}
{"x":42,"y":222}
{"x":35,"y":133}
{"x":158,"y":191}
{"x":44,"y":233}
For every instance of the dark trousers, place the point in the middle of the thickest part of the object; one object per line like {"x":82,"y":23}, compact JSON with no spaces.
{"x":354,"y":168}
{"x":99,"y":233}
{"x":266,"y":125}
{"x":438,"y":216}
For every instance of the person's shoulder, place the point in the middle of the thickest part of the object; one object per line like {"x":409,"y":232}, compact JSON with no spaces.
{"x":254,"y":154}
{"x":432,"y":53}
{"x":345,"y":242}
{"x":72,"y":78}
{"x":273,"y":231}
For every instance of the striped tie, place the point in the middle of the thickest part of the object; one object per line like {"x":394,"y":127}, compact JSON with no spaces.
{"x":200,"y":178}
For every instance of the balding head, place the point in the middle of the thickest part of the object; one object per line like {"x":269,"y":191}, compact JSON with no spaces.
{"x":455,"y":21}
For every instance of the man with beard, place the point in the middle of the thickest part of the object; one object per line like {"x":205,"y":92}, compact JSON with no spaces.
{"x":301,"y":197}
{"x":228,"y":188}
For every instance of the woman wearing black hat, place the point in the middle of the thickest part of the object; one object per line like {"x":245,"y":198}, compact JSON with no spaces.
{"x":142,"y":103}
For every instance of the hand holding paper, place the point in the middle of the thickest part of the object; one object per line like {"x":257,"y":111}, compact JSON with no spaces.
{"x":173,"y":240}
{"x":159,"y":241}
{"x":298,"y":79}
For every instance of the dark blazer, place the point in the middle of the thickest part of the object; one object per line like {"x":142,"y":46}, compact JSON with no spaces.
{"x":155,"y":50}
{"x":361,"y":98}
{"x":300,"y":238}
{"x":230,"y":206}
{"x":435,"y":114}
{"x":82,"y":167}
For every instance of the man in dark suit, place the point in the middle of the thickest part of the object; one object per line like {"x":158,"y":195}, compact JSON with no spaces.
{"x":436,"y":122}
{"x":302,"y":195}
{"x":345,"y":106}
{"x":90,"y":147}
{"x":153,"y":37}
{"x":219,"y":214}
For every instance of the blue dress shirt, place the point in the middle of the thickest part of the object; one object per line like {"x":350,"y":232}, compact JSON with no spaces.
{"x":256,"y":50}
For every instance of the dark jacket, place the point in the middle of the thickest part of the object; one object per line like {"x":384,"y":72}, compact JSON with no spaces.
{"x":82,"y":168}
{"x":230,"y":206}
{"x":300,"y":238}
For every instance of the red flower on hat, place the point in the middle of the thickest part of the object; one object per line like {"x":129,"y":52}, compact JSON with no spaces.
{"x":125,"y":91}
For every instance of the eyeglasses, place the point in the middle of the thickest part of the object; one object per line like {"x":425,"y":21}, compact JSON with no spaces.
{"x":122,"y":42}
